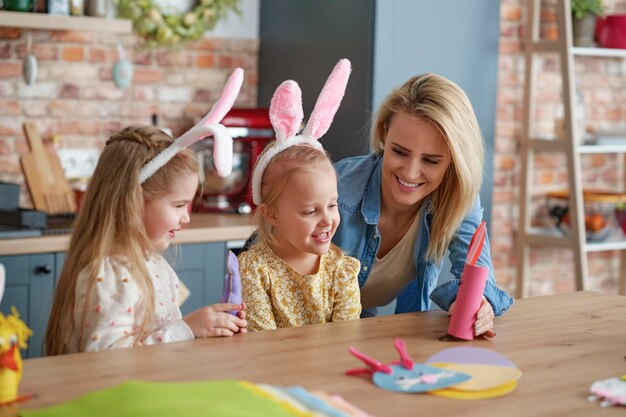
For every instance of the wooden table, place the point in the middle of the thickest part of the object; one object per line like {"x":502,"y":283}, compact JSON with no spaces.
{"x":562,"y":343}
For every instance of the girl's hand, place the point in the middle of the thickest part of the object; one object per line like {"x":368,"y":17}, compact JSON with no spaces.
{"x":242,"y":315}
{"x":484,"y":319}
{"x":215,"y":320}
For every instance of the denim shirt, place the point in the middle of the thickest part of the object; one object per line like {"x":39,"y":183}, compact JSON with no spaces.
{"x":359,"y":203}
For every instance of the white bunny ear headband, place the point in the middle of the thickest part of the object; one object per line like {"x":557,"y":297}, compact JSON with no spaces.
{"x":209,"y":125}
{"x":286,"y":116}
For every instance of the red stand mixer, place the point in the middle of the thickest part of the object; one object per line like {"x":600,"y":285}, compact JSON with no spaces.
{"x":251,"y":131}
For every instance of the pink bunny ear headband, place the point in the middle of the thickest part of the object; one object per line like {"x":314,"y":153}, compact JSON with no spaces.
{"x":286,"y":116}
{"x":209,"y":125}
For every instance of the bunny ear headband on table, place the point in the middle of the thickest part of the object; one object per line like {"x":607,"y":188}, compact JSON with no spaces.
{"x":209,"y":125}
{"x":286,"y":116}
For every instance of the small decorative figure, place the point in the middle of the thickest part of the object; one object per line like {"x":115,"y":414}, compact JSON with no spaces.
{"x":405,"y":376}
{"x":609,"y":392}
{"x":13,"y":336}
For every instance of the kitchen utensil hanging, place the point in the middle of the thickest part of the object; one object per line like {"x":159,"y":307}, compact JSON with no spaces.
{"x":29,"y":63}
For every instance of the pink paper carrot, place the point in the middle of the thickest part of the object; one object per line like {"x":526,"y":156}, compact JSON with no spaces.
{"x":476,"y":244}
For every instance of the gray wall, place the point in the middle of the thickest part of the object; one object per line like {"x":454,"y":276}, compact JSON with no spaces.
{"x":303,"y":40}
{"x":454,"y":38}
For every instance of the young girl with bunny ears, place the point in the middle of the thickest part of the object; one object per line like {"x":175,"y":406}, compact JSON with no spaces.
{"x":115,"y":289}
{"x":293,"y":275}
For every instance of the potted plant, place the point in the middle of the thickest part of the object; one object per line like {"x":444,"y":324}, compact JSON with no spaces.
{"x":584,"y":14}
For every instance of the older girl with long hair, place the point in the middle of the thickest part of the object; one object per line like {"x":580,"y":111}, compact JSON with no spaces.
{"x":115,"y":289}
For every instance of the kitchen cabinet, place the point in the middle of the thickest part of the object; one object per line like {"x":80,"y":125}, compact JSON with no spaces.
{"x":201,"y":267}
{"x":31,"y":279}
{"x":29,"y":288}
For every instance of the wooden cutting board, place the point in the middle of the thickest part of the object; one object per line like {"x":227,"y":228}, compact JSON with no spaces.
{"x":47,"y":185}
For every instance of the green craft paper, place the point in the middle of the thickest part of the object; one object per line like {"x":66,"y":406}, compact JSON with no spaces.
{"x":223,"y":398}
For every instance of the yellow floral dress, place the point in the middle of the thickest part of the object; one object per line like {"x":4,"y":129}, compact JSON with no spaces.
{"x":277,"y":296}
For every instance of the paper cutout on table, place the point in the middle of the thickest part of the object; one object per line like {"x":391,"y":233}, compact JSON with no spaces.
{"x":483,"y":377}
{"x":492,"y":374}
{"x":471,"y":288}
{"x":469,"y":354}
{"x":226,"y":398}
{"x":609,"y":392}
{"x":476,"y":395}
{"x":405,"y":376}
{"x":420,"y":378}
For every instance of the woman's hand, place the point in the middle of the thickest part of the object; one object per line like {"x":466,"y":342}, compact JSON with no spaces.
{"x":484,"y":319}
{"x":215,"y":320}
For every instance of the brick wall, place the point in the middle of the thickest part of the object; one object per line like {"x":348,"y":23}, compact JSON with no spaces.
{"x":602,"y":83}
{"x":75,"y":97}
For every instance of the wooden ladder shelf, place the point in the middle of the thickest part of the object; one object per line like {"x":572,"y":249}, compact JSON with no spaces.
{"x":569,"y":145}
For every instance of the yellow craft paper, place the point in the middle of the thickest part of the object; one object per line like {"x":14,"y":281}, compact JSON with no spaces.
{"x":476,"y":395}
{"x":484,"y":377}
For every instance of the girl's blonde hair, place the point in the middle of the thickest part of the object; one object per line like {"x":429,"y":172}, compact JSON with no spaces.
{"x":444,"y":104}
{"x":110,"y":224}
{"x":276,"y":177}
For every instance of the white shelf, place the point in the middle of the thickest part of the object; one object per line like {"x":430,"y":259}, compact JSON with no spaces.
{"x":605,"y":246}
{"x":602,"y":149}
{"x":606,"y":52}
{"x":547,"y":237}
{"x":553,"y":237}
{"x":44,"y":21}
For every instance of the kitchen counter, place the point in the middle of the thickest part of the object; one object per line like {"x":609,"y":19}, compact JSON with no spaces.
{"x":204,"y":227}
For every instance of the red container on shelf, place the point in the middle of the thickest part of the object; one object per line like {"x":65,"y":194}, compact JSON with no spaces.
{"x":251,"y":131}
{"x":611,"y":31}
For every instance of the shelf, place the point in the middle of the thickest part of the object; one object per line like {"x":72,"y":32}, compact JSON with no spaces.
{"x":602,"y":148}
{"x":573,"y":146}
{"x":547,"y":237}
{"x":615,"y":241}
{"x":43,"y":21}
{"x":605,"y":52}
{"x":553,"y":237}
{"x":548,"y":145}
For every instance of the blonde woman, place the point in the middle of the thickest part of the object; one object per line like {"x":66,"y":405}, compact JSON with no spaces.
{"x":416,"y":197}
{"x":115,"y":289}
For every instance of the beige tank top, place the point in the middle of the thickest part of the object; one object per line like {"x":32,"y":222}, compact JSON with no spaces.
{"x":391,"y":273}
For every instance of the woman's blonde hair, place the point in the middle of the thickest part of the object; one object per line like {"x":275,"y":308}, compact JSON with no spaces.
{"x":276,"y":177}
{"x":444,"y":104}
{"x":110,"y":224}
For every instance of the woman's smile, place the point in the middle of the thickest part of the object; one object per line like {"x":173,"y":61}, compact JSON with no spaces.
{"x":411,"y":186}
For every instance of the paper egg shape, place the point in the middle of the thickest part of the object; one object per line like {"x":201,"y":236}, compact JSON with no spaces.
{"x":123,"y":73}
{"x":469,"y":354}
{"x":29,"y":69}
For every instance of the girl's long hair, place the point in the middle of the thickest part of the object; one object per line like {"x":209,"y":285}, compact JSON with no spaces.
{"x":110,"y":224}
{"x":441,"y":102}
